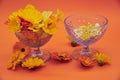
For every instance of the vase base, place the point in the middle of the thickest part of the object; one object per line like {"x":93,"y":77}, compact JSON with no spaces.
{"x":43,"y":54}
{"x":80,"y":52}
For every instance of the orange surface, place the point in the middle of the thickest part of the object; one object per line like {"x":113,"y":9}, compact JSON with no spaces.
{"x":109,"y":44}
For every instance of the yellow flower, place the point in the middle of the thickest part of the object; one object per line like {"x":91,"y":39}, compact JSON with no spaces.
{"x":50,"y":26}
{"x":46,"y":15}
{"x":33,"y":62}
{"x":102,"y":58}
{"x":36,"y":28}
{"x":31,"y":14}
{"x":15,"y":59}
{"x":14,"y":24}
{"x":30,"y":18}
{"x":51,"y":20}
{"x":28,"y":14}
{"x":59,"y":15}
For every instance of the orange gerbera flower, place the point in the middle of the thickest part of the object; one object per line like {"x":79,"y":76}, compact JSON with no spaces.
{"x":85,"y":61}
{"x":63,"y":56}
{"x":20,"y":51}
{"x":19,"y":46}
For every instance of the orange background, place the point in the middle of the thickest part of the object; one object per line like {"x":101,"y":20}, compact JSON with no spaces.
{"x":109,"y":44}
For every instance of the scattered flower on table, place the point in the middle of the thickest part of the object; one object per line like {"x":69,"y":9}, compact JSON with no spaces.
{"x":31,"y":63}
{"x":61,"y":56}
{"x":16,"y":58}
{"x":85,"y":61}
{"x":73,"y":43}
{"x":20,"y":57}
{"x":20,"y":51}
{"x":19,"y":46}
{"x":102,"y":59}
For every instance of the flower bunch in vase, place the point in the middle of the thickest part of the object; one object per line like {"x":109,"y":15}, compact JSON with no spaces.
{"x":34,"y":28}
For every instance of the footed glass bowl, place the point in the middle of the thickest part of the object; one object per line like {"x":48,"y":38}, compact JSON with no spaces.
{"x":85,"y":30}
{"x":35,"y":40}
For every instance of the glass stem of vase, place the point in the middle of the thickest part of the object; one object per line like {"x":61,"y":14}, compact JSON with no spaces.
{"x":36,"y":52}
{"x":39,"y":53}
{"x":85,"y":50}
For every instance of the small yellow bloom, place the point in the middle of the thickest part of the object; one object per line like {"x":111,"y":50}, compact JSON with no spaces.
{"x":102,"y":58}
{"x":59,"y":15}
{"x":36,"y":28}
{"x":50,"y":27}
{"x":15,"y":59}
{"x":14,"y":25}
{"x":33,"y":62}
{"x":46,"y":15}
{"x":51,"y":20}
{"x":31,"y":14}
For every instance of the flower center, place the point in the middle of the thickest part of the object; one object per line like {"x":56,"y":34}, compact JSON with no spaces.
{"x":23,"y":50}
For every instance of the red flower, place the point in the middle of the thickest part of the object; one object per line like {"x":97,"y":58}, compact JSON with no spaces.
{"x":86,"y":61}
{"x":24,"y":23}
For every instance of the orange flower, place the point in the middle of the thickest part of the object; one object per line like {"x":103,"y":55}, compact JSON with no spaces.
{"x":15,"y":59}
{"x":20,"y":51}
{"x":64,"y":56}
{"x":21,"y":47}
{"x":31,"y":63}
{"x":102,"y":59}
{"x":85,"y":61}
